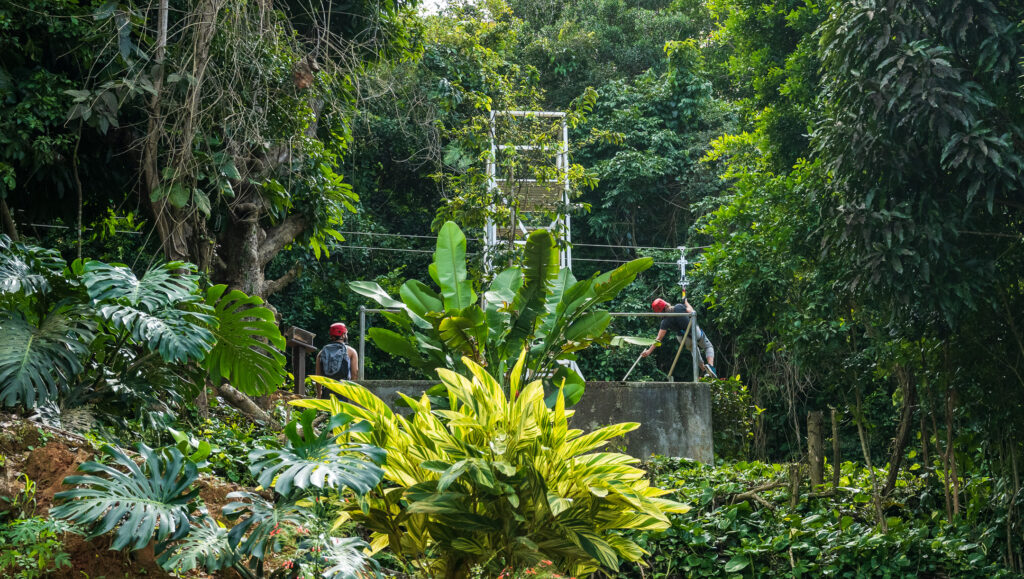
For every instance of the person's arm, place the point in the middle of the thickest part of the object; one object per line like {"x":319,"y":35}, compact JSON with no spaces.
{"x":353,"y":363}
{"x":689,"y":308}
{"x":648,"y":351}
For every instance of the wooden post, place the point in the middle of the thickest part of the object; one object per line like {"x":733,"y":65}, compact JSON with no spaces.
{"x":301,"y":343}
{"x":835,"y":451}
{"x":815,"y":454}
{"x":300,"y":370}
{"x":794,"y":484}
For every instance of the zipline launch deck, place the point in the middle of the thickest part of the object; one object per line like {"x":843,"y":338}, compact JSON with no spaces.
{"x":674,"y":417}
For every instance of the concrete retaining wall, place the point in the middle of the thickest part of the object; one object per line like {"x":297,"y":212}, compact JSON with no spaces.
{"x":674,"y":417}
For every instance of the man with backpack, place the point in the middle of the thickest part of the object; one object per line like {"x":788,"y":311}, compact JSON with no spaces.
{"x":337,"y":360}
{"x":678,"y":325}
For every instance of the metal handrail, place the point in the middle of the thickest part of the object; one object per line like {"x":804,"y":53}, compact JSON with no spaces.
{"x":693,"y":350}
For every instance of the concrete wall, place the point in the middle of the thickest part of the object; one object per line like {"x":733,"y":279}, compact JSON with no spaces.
{"x":674,"y":417}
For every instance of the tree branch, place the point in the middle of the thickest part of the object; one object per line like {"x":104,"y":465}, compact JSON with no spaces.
{"x":281,"y":236}
{"x":246,"y":405}
{"x":278,"y":284}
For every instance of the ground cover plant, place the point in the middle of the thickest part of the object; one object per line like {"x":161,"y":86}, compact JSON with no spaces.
{"x":746,"y":521}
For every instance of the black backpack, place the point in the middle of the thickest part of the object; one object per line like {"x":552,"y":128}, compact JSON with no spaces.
{"x":334,"y":361}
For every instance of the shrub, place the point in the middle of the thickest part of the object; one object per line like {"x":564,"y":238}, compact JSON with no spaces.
{"x":498,"y":480}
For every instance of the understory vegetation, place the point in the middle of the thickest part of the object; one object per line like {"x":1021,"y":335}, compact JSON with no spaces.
{"x":189,"y":189}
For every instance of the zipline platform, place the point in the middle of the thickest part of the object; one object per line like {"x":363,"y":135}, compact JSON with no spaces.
{"x":674,"y":417}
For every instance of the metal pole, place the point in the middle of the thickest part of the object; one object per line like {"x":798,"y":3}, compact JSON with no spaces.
{"x":693,"y":339}
{"x":682,"y":342}
{"x":362,"y":342}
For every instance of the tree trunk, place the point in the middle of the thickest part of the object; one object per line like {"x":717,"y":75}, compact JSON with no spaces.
{"x":950,"y":403}
{"x":246,"y":405}
{"x":909,"y":387}
{"x":203,"y":401}
{"x":943,"y":457}
{"x":877,"y":499}
{"x":815,"y":454}
{"x":794,"y":485}
{"x":924,"y":440}
{"x":9,"y":228}
{"x":835,"y":451}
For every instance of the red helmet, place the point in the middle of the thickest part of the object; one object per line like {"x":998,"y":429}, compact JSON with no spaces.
{"x":338,"y":330}
{"x":659,"y":305}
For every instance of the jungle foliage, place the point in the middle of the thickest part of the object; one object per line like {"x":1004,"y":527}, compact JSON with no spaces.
{"x":846,"y":174}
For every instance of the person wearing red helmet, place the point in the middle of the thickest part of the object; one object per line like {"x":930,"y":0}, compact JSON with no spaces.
{"x":337,"y":360}
{"x":678,"y":324}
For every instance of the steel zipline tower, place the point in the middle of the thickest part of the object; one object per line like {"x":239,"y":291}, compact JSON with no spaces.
{"x":529,"y":197}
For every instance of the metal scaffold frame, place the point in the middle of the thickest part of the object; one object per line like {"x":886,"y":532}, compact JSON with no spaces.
{"x":562,"y":222}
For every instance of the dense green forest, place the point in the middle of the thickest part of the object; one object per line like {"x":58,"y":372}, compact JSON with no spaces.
{"x":183,"y":182}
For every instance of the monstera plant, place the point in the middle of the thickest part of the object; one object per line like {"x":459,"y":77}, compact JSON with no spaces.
{"x":537,"y":305}
{"x":92,"y":333}
{"x":495,"y":479}
{"x":157,"y":500}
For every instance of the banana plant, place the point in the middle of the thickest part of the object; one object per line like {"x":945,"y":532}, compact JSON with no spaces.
{"x":537,"y":305}
{"x":495,"y":477}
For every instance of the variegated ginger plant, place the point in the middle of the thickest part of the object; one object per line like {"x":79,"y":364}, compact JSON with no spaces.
{"x":498,"y":480}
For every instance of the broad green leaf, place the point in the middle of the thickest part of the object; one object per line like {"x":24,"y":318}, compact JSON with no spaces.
{"x":248,"y":343}
{"x":205,"y":548}
{"x":36,"y":361}
{"x":540,"y":267}
{"x":161,"y":287}
{"x":397,"y":345}
{"x":146,"y":502}
{"x":420,"y":299}
{"x":465,"y":331}
{"x":317,"y":460}
{"x":450,"y":268}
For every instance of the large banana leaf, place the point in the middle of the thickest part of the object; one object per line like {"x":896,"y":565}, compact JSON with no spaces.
{"x":540,"y":268}
{"x":608,"y":285}
{"x":177,"y":335}
{"x":588,"y":327}
{"x":373,"y":291}
{"x":162,"y":286}
{"x":465,"y":331}
{"x":247,"y":343}
{"x":398,"y":345}
{"x":311,"y":459}
{"x":500,"y":298}
{"x":35,"y":361}
{"x":27,"y":269}
{"x":141,"y":502}
{"x":420,"y":299}
{"x":449,"y":268}
{"x":563,"y":282}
